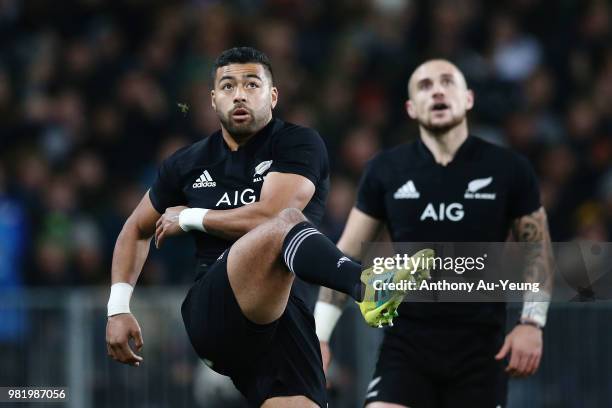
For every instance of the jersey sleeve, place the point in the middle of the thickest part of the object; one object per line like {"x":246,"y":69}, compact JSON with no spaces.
{"x":371,"y":194}
{"x":166,"y":191}
{"x":301,"y":151}
{"x":525,"y":192}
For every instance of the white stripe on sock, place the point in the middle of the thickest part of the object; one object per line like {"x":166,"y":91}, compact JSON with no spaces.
{"x":292,"y":244}
{"x":373,"y":383}
{"x":372,"y":394}
{"x":294,"y":240}
{"x":297,"y":245}
{"x":289,"y":246}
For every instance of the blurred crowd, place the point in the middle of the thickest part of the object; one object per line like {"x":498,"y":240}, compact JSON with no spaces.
{"x":90,"y":93}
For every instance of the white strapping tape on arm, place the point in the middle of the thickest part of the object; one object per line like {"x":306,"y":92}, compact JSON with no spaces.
{"x":119,"y":299}
{"x":326,"y":316}
{"x":192,"y":219}
{"x":535,"y":307}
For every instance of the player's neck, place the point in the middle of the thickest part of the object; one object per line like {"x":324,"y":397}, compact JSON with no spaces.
{"x":444,"y":146}
{"x":234,"y":143}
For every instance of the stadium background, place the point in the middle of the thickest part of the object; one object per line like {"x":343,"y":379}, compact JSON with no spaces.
{"x":88,"y":107}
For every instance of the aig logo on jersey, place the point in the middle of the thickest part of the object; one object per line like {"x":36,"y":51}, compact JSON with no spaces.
{"x":246,"y":196}
{"x":452,"y":212}
{"x":473,"y":188}
{"x":204,"y":181}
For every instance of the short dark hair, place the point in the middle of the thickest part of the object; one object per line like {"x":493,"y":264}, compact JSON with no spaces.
{"x":242,"y":55}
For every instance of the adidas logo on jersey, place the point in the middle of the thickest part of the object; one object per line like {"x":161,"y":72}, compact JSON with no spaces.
{"x":204,"y":181}
{"x":408,"y":190}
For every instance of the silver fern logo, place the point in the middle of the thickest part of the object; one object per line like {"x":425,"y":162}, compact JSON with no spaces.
{"x":260,"y":169}
{"x":476,"y":185}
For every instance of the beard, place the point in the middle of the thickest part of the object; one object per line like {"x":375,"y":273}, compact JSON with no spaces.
{"x":442,"y":128}
{"x":241,"y":130}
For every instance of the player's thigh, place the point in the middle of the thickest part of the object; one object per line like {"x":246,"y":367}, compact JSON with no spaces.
{"x":296,"y":401}
{"x":484,"y":387}
{"x":260,"y":281}
{"x":292,"y":365}
{"x":218,"y":330}
{"x":384,"y":405}
{"x":392,"y":390}
{"x":258,"y":249}
{"x":487,"y":394}
{"x":289,"y":366}
{"x":480,"y":380}
{"x":400,"y":379}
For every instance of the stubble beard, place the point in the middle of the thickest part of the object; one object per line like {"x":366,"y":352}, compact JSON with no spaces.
{"x":441,"y":129}
{"x":240,"y":131}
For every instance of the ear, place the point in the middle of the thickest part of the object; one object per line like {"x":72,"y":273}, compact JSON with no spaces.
{"x":273,"y":96}
{"x":469,"y":100}
{"x":212,"y":100}
{"x":410,"y":109}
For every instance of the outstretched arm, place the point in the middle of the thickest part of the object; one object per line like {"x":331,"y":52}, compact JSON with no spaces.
{"x":130,"y":253}
{"x":132,"y":246}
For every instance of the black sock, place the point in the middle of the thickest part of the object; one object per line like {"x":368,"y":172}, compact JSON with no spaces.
{"x":315,"y":259}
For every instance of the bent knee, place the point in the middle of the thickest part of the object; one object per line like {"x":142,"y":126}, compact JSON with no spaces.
{"x":384,"y":405}
{"x":291,"y":216}
{"x":289,"y":402}
{"x":277,"y":228}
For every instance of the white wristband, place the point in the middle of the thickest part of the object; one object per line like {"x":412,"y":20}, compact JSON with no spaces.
{"x":192,"y":219}
{"x":326,"y":316}
{"x":536,"y":310}
{"x":119,"y":300}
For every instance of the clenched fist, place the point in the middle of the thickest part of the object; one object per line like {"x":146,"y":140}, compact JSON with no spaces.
{"x":168,"y":224}
{"x":119,"y":330}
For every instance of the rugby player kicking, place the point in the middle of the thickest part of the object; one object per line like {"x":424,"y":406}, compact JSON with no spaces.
{"x":251,"y":195}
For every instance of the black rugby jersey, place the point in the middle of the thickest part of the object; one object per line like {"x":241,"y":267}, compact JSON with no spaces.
{"x":474,"y":198}
{"x":207,"y":174}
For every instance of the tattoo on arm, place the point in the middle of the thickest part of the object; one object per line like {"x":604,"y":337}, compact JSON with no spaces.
{"x":333,"y":297}
{"x":533,"y":228}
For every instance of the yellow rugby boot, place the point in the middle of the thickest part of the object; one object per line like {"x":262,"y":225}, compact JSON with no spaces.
{"x":379,"y":307}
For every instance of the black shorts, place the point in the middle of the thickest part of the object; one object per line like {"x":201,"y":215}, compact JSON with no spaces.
{"x":440,"y":367}
{"x":282,"y":358}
